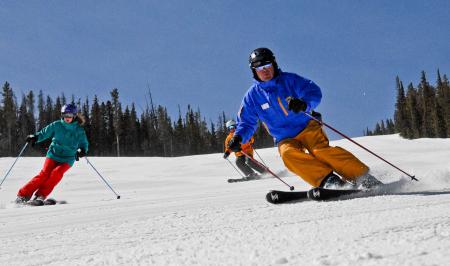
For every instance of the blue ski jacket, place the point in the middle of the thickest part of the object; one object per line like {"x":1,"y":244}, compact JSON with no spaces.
{"x":266,"y":101}
{"x":66,"y":139}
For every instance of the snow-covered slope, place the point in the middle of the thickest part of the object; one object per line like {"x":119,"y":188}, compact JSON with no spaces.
{"x":181,"y":211}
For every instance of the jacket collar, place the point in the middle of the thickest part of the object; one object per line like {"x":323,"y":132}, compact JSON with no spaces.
{"x":269,"y":85}
{"x":69,"y":126}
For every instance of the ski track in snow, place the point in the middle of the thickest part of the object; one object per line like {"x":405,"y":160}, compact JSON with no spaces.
{"x":181,"y":211}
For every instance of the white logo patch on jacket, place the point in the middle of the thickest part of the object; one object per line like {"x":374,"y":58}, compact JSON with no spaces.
{"x":265,"y":106}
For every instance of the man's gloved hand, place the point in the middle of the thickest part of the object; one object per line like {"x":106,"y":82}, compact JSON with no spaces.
{"x":317,"y":115}
{"x":226,"y":154}
{"x":296,"y":105}
{"x":31,"y":139}
{"x":235,"y":143}
{"x":80,"y":154}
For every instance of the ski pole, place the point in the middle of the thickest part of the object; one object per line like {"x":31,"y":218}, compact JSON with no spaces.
{"x":118,"y":196}
{"x":361,"y":146}
{"x":267,"y":169}
{"x":236,"y":169}
{"x":260,"y":157}
{"x":17,"y":158}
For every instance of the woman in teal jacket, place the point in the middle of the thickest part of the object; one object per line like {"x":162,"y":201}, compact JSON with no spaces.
{"x":69,"y":142}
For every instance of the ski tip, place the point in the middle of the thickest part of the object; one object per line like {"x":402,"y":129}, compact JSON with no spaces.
{"x":272,"y":197}
{"x":50,"y":201}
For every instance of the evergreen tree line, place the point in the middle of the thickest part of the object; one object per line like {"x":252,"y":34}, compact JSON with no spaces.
{"x":113,"y":130}
{"x":420,"y":112}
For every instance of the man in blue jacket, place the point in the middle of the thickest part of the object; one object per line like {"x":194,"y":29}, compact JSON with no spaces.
{"x":279,"y":99}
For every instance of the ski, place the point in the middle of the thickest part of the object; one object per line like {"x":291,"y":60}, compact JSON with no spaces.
{"x":321,"y":194}
{"x":35,"y":203}
{"x":51,"y":201}
{"x":276,"y":196}
{"x":235,"y":180}
{"x":317,"y":194}
{"x":48,"y":201}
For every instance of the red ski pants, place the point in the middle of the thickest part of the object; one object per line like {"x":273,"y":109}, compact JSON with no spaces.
{"x":44,"y":183}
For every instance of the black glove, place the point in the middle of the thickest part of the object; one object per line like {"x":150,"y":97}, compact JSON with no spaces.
{"x":80,"y":154}
{"x":235,"y":143}
{"x":226,"y":154}
{"x":317,"y":115}
{"x":31,"y":139}
{"x":296,"y":105}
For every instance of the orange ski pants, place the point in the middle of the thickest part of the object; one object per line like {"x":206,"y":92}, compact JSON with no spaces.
{"x":310,"y":156}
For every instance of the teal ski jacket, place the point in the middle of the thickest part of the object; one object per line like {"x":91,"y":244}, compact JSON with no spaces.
{"x":66,"y":140}
{"x":266,"y":101}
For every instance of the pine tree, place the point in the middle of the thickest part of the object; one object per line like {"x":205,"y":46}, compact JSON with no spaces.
{"x":48,"y":112}
{"x":22,"y":120}
{"x":9,"y":111}
{"x":390,"y":126}
{"x":446,"y":102}
{"x":442,"y":107}
{"x":134,"y":126}
{"x":56,"y":110}
{"x":191,"y":130}
{"x":222,"y":131}
{"x":95,"y":140}
{"x":428,"y":114}
{"x":126,"y":142}
{"x":383,"y":128}
{"x":401,"y":118}
{"x":414,"y":109}
{"x":377,"y":130}
{"x":2,"y":132}
{"x":87,"y":119}
{"x":165,"y":131}
{"x":30,"y":99}
{"x":179,"y":135}
{"x":41,"y":111}
{"x":117,"y":114}
{"x":213,"y":141}
{"x":368,"y":132}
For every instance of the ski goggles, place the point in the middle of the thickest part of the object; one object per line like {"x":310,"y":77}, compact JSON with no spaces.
{"x":68,"y":115}
{"x":260,"y":68}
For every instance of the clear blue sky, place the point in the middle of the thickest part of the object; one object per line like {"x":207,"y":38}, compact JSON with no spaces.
{"x":196,"y":52}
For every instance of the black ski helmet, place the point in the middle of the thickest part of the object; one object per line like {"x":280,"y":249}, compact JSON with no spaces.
{"x":259,"y":57}
{"x":69,"y":109}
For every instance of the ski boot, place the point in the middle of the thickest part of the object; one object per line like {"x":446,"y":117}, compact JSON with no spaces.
{"x":368,"y":182}
{"x":37,"y":201}
{"x":252,"y":176}
{"x":21,"y":200}
{"x":333,"y":181}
